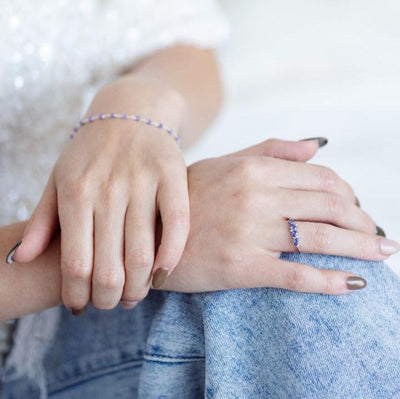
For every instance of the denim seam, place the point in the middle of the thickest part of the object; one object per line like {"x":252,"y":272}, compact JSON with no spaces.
{"x":60,"y":385}
{"x":172,"y":359}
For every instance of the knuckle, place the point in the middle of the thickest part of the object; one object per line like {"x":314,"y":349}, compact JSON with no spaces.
{"x":247,"y":169}
{"x":296,"y":280}
{"x":336,"y":206}
{"x":77,"y":189}
{"x":327,"y":177}
{"x":323,"y":238}
{"x":140,"y":258}
{"x":108,"y":280}
{"x":77,"y":269}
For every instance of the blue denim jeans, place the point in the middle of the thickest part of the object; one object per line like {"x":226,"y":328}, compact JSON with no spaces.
{"x":253,"y":343}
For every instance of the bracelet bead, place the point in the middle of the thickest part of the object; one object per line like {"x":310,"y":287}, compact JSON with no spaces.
{"x":135,"y":118}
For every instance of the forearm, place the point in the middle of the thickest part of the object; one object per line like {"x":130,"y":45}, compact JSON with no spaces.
{"x":31,"y":287}
{"x":180,"y":85}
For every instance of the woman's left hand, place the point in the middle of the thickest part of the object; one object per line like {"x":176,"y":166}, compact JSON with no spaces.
{"x":105,"y":193}
{"x":240,"y":206}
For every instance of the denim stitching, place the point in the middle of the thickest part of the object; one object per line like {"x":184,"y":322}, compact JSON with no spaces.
{"x":172,"y":359}
{"x":84,"y":377}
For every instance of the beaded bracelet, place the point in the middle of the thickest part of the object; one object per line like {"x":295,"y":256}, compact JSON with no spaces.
{"x":113,"y":115}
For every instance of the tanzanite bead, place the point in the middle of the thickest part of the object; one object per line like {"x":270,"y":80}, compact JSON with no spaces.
{"x":293,"y":232}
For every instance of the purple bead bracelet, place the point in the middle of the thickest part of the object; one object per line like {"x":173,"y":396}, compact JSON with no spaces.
{"x":135,"y":118}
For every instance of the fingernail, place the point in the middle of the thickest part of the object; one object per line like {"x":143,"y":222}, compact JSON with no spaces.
{"x":322,"y":141}
{"x":129,"y":304}
{"x":358,"y":202}
{"x":380,"y":232}
{"x":356,"y":283}
{"x":9,"y":257}
{"x":159,"y":278}
{"x":388,"y":247}
{"x":78,"y":312}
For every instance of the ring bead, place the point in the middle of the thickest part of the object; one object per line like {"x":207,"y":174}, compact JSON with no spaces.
{"x":294,"y":233}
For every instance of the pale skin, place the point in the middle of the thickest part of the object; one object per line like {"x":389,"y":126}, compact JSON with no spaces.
{"x":238,"y":230}
{"x":106,"y":194}
{"x":113,"y":180}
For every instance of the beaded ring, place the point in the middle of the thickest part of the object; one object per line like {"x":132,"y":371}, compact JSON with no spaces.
{"x":135,"y":118}
{"x":294,"y":233}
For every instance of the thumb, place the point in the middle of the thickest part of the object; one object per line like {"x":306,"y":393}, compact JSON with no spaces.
{"x":299,"y":151}
{"x":40,"y":227}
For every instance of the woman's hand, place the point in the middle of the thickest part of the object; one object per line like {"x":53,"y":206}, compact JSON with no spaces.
{"x":240,"y":205}
{"x":106,"y":190}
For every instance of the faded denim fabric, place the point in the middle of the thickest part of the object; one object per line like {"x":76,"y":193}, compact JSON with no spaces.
{"x":253,"y":343}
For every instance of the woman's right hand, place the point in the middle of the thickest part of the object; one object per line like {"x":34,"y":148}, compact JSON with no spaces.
{"x":240,"y":206}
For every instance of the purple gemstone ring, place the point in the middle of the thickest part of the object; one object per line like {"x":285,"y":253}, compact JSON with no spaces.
{"x":294,"y":233}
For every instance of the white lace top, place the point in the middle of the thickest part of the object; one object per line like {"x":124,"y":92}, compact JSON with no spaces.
{"x":52,"y":52}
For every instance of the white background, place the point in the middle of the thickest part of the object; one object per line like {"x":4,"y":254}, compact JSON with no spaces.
{"x":297,"y":69}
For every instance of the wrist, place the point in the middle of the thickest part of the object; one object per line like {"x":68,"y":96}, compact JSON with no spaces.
{"x":146,"y":99}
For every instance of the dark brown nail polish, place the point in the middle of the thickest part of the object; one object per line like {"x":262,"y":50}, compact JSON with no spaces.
{"x":159,"y":278}
{"x":358,"y":202}
{"x":356,"y":283}
{"x":9,"y":257}
{"x":78,"y":312}
{"x":380,"y":232}
{"x":322,"y":141}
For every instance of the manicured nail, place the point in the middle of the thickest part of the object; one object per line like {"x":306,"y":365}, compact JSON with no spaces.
{"x":322,"y":141}
{"x":388,"y":247}
{"x":356,"y":283}
{"x":9,"y":258}
{"x":159,"y":278}
{"x":358,"y":202}
{"x":129,"y":304}
{"x":380,"y":232}
{"x":78,"y":312}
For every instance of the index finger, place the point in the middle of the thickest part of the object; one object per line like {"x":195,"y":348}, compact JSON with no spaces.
{"x":305,"y":176}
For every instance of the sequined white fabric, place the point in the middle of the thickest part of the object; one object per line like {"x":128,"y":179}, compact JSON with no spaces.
{"x":52,"y":53}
